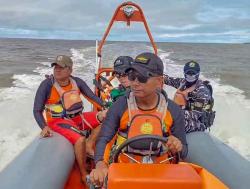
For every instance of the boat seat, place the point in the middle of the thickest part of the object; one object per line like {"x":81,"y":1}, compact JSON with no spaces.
{"x":150,"y":176}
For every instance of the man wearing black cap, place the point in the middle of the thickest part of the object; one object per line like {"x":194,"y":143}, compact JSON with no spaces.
{"x":144,"y":110}
{"x":58,"y":96}
{"x":121,"y":64}
{"x":110,"y":94}
{"x":194,"y":97}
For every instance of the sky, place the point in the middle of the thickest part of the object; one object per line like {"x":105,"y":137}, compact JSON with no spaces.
{"x":202,"y":21}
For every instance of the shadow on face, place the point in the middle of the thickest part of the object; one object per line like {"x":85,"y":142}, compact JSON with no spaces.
{"x":124,"y":81}
{"x":62,"y":73}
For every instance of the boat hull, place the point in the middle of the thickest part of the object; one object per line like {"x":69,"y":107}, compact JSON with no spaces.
{"x":219,"y":159}
{"x":45,"y":163}
{"x":49,"y":163}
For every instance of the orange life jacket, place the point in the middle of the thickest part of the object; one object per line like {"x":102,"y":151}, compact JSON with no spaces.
{"x":68,"y":104}
{"x":141,"y":123}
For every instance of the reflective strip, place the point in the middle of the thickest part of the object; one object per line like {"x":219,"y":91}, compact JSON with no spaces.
{"x":131,"y":106}
{"x":55,"y":110}
{"x":162,"y":107}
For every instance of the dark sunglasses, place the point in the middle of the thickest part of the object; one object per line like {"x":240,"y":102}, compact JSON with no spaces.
{"x":119,"y":75}
{"x":190,"y":72}
{"x":132,"y":75}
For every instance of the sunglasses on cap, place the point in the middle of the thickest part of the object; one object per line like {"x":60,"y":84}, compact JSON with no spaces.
{"x":119,"y":75}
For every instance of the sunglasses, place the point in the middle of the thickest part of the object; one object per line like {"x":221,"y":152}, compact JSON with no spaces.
{"x":132,"y":75}
{"x":119,"y":75}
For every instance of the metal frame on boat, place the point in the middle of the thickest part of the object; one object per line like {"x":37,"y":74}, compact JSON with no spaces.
{"x":126,"y":12}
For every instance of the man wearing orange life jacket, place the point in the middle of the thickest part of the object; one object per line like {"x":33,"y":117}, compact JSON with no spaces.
{"x":59,"y":97}
{"x":144,"y":110}
{"x":194,"y":97}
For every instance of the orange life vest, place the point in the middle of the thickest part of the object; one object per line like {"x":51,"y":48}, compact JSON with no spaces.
{"x":141,"y":123}
{"x":69,"y":104}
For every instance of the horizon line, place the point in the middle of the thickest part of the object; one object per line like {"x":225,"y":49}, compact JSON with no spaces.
{"x":113,"y":40}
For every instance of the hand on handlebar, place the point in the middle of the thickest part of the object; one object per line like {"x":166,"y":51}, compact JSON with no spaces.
{"x":98,"y":175}
{"x":174,"y":144}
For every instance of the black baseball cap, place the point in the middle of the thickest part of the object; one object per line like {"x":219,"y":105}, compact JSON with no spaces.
{"x":192,"y":67}
{"x":122,"y":63}
{"x":148,"y":64}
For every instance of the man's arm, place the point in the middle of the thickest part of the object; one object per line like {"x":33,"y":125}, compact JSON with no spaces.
{"x":88,"y":93}
{"x":42,"y":94}
{"x":172,"y":81}
{"x":110,"y":127}
{"x":178,"y":127}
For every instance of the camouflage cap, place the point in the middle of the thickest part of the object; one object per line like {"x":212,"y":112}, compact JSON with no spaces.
{"x":63,"y":61}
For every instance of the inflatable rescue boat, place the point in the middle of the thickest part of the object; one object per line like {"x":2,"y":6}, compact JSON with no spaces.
{"x":49,"y":163}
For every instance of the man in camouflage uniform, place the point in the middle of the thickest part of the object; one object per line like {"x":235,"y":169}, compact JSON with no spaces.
{"x":195,"y":98}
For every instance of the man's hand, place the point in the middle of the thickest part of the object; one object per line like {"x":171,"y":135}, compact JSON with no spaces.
{"x":190,"y":96}
{"x":98,"y":175}
{"x":46,"y":132}
{"x":174,"y":144}
{"x":165,"y":77}
{"x":102,"y":115}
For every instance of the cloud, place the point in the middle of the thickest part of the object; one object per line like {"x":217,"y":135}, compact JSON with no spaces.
{"x":211,"y":14}
{"x":180,"y":28}
{"x":43,"y":34}
{"x":84,"y":19}
{"x":228,"y":33}
{"x":237,"y":32}
{"x":237,"y":36}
